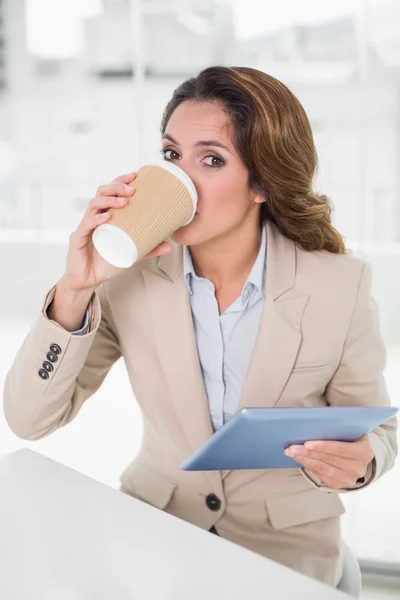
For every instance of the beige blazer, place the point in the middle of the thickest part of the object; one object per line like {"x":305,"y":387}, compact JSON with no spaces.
{"x":318,"y":344}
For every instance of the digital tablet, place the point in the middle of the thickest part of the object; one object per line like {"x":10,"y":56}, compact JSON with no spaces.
{"x":255,"y":438}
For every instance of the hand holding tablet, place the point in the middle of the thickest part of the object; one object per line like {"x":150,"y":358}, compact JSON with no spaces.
{"x":256,"y":438}
{"x":337,"y":464}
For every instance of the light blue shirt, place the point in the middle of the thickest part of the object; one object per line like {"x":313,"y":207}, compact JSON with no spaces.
{"x":225,"y":342}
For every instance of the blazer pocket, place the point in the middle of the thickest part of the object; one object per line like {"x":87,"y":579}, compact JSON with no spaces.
{"x":148,"y":486}
{"x":289,"y":510}
{"x":311,"y":368}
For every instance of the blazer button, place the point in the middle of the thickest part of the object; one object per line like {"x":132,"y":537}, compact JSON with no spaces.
{"x":55,"y":348}
{"x":213,"y":502}
{"x":47,"y":366}
{"x":52,"y":357}
{"x":43,"y":374}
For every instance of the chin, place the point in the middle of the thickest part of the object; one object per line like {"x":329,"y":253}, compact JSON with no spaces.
{"x":184,"y":237}
{"x":187,"y":236}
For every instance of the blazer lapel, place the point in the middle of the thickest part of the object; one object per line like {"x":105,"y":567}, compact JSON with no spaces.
{"x":176,"y":346}
{"x":275,"y":351}
{"x":279,"y":334}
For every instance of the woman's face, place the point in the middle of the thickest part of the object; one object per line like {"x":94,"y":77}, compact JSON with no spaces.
{"x":198,"y":139}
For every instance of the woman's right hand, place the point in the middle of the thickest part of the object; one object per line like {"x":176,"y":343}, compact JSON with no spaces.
{"x":85,"y":268}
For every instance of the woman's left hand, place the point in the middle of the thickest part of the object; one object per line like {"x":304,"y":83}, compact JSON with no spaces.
{"x":336,"y":464}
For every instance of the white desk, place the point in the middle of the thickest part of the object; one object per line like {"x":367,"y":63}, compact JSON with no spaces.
{"x":64,"y":536}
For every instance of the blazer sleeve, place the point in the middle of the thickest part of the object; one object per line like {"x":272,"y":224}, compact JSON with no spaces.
{"x":36,"y":401}
{"x":359,"y":381}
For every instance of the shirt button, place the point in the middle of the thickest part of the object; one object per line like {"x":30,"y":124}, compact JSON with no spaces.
{"x":213,"y":502}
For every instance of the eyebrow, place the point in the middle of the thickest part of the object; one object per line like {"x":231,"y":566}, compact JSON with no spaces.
{"x":200,"y":143}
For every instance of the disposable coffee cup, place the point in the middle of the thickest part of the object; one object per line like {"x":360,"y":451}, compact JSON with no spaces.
{"x":165,"y":200}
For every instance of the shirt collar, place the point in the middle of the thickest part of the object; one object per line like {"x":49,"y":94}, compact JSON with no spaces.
{"x":257,"y":273}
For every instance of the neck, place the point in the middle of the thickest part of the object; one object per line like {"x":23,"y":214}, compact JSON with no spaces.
{"x":229,"y":259}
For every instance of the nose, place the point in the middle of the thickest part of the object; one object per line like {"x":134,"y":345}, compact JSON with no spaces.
{"x":190,"y":172}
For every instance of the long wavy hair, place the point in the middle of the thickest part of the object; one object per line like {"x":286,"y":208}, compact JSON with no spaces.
{"x":273,"y":137}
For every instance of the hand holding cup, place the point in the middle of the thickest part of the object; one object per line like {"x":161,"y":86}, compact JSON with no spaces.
{"x":85,"y":268}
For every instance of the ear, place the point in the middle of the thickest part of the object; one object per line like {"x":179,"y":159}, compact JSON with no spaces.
{"x":258,"y":199}
{"x":257,"y":193}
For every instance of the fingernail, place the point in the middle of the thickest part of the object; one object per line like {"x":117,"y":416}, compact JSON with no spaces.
{"x":310,"y":445}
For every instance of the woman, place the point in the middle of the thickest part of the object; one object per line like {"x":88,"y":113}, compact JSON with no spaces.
{"x":255,"y":303}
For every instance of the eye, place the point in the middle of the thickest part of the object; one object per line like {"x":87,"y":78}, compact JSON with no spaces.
{"x":214,"y":161}
{"x":169,"y":154}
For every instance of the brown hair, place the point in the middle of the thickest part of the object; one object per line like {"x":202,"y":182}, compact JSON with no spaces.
{"x":273,"y":137}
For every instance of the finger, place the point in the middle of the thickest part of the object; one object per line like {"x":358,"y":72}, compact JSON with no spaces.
{"x":163,"y":248}
{"x":105,"y":202}
{"x":345,"y":449}
{"x":328,"y":472}
{"x":115,"y":189}
{"x":88,"y":224}
{"x":127,"y":178}
{"x":347,"y":464}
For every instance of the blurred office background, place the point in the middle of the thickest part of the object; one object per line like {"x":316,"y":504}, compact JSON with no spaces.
{"x":83,"y":84}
